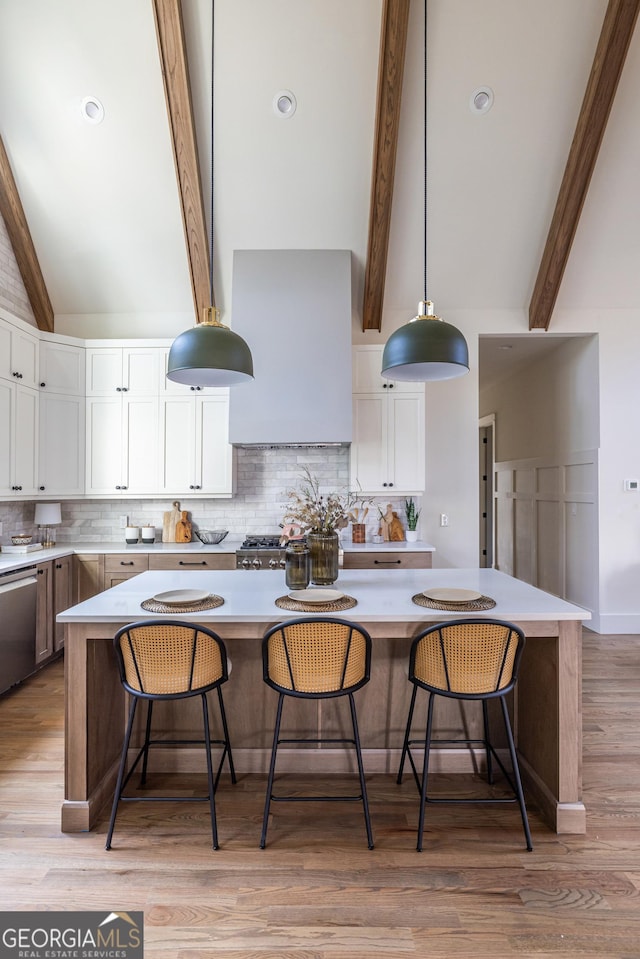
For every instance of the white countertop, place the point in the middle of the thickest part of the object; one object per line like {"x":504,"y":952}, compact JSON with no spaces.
{"x":249,"y":596}
{"x":9,"y":561}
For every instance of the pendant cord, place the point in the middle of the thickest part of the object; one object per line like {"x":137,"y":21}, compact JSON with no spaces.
{"x":213,"y":13}
{"x":425,"y":152}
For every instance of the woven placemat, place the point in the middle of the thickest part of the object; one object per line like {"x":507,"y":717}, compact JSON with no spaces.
{"x":485,"y":602}
{"x":153,"y":606}
{"x":296,"y":606}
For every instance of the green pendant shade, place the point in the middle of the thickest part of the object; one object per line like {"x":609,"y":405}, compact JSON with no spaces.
{"x":209,"y":354}
{"x":425,"y":349}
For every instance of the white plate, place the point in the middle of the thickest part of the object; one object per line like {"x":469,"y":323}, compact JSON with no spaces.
{"x":181,"y":597}
{"x":318,"y":595}
{"x":449,"y":595}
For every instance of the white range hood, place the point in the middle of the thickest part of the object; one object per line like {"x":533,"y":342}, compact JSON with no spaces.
{"x":293,"y":307}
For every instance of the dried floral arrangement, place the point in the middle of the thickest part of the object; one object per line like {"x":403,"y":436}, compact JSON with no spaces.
{"x":321,"y":512}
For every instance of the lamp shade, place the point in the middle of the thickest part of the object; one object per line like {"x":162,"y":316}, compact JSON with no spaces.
{"x":209,"y":355}
{"x":425,"y":349}
{"x":47,"y":514}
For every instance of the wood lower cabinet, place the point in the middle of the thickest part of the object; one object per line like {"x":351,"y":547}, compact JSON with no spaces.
{"x":62,"y":596}
{"x":44,"y":613}
{"x":88,"y":576}
{"x":392,"y":559}
{"x":119,"y":567}
{"x":191,"y":561}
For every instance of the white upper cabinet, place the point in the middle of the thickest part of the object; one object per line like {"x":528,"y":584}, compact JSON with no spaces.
{"x":122,"y":445}
{"x":62,"y":368}
{"x":195,"y":454}
{"x":113,"y":370}
{"x":61,"y":464}
{"x":367,"y":378}
{"x":19,"y":440}
{"x":19,"y":352}
{"x":388,"y":448}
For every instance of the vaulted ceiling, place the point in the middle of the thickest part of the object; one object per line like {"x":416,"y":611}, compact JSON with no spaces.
{"x":103,"y":205}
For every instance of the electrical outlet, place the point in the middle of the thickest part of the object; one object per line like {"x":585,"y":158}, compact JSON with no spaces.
{"x":444,"y":519}
{"x":124,"y":522}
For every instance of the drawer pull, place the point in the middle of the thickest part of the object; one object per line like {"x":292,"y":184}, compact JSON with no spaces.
{"x":387,"y":562}
{"x":182,"y":562}
{"x":130,"y":563}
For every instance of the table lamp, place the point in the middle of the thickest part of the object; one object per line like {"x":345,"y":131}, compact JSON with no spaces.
{"x":47,"y":515}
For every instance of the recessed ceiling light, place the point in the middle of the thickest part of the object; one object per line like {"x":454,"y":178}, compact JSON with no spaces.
{"x":92,"y":110}
{"x":481,"y":100}
{"x":284,"y":104}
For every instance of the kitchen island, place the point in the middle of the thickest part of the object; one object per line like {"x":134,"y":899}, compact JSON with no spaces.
{"x":547,"y":702}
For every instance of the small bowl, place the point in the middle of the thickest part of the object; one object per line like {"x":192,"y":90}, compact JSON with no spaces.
{"x":211,"y":537}
{"x":21,"y":539}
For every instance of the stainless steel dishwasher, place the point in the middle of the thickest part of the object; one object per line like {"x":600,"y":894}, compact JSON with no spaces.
{"x":18,"y":590}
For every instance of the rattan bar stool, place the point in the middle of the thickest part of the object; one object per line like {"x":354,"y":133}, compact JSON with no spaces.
{"x":316,"y":658}
{"x":170,"y":660}
{"x":474,"y":660}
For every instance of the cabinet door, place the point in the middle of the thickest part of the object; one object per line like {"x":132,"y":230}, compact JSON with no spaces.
{"x":25,"y":451}
{"x":141,"y":369}
{"x":44,"y":618}
{"x":104,"y":371}
{"x":405,"y":464}
{"x":369,"y":447}
{"x":7,"y":423}
{"x":177,"y":444}
{"x":61,"y":597}
{"x":61,"y":464}
{"x":140,"y":441}
{"x":214,"y":455}
{"x":104,"y":445}
{"x":24,"y":358}
{"x":88,"y":576}
{"x":367,"y":378}
{"x":62,"y":368}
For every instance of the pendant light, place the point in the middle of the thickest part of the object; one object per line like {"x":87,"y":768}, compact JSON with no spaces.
{"x":425,"y":348}
{"x":210,"y":354}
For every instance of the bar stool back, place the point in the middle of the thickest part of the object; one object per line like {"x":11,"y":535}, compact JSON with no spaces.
{"x":170,"y":660}
{"x":465,"y":659}
{"x":316,"y":658}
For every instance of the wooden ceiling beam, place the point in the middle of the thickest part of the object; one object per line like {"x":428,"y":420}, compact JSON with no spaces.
{"x":393,"y":40}
{"x":615,"y":37}
{"x":24,"y":251}
{"x":175,"y":72}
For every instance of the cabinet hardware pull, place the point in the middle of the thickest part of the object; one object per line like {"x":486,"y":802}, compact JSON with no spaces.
{"x":125,"y":389}
{"x":43,"y":385}
{"x":390,"y":386}
{"x":118,"y":487}
{"x":202,"y":562}
{"x":390,"y":484}
{"x":58,"y":565}
{"x":385,"y":484}
{"x":387,"y":562}
{"x":41,"y":488}
{"x":130,"y":563}
{"x":40,"y":572}
{"x":118,"y":389}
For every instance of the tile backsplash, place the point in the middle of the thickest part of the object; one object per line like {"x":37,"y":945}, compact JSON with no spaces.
{"x":258,"y":505}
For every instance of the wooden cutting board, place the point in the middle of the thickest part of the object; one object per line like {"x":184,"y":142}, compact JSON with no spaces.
{"x":170,"y":520}
{"x":183,"y":528}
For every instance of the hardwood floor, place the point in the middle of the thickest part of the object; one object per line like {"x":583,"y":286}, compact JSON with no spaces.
{"x":316,"y":891}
